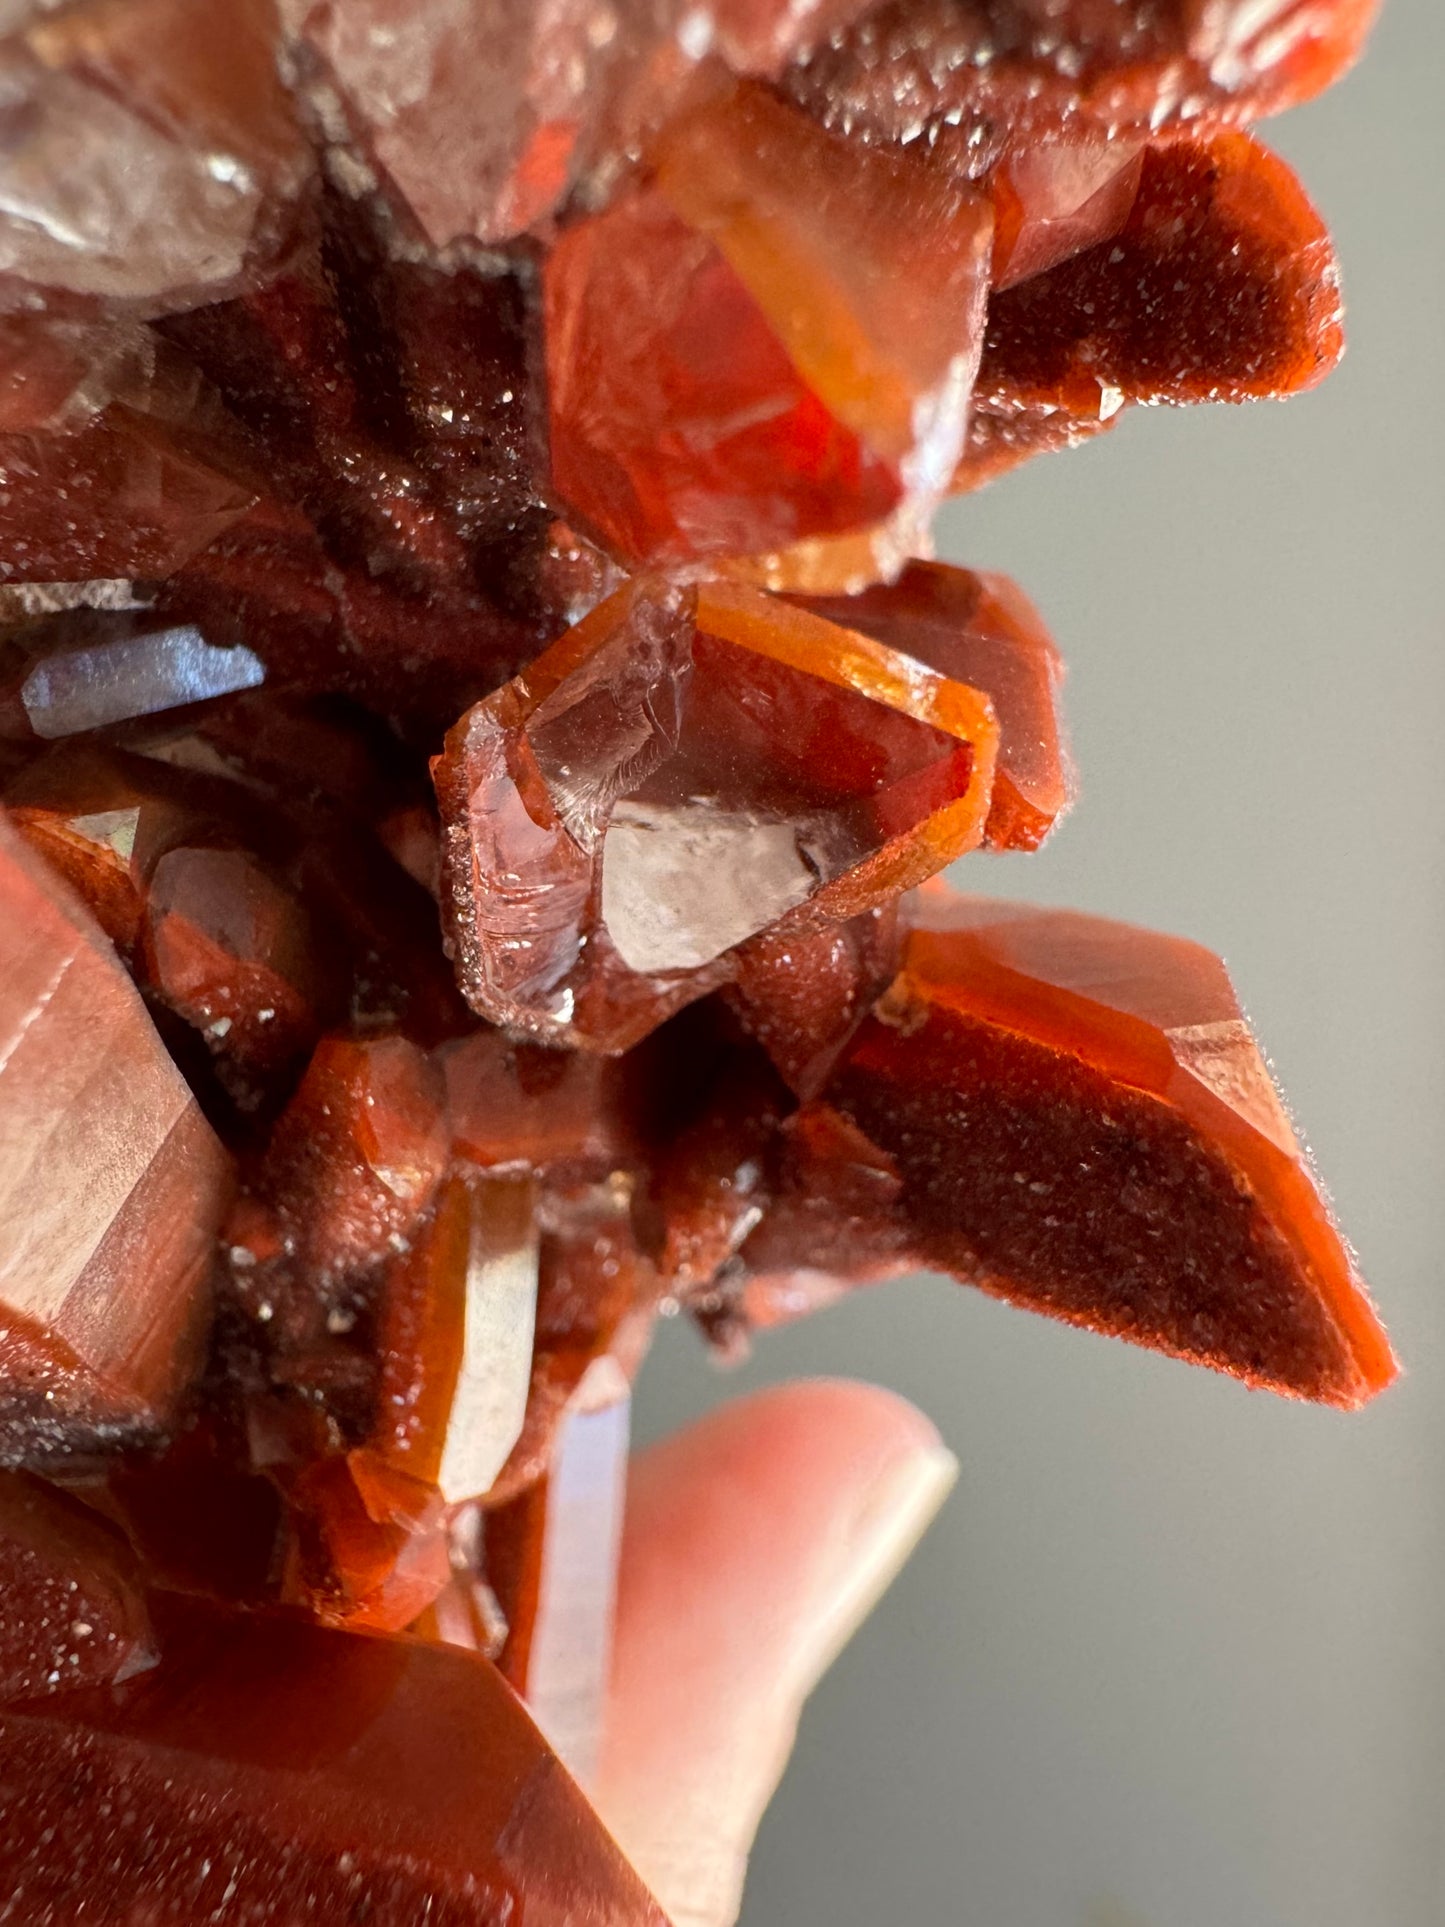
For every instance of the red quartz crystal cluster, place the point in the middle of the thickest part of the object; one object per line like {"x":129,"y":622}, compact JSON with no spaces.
{"x":479,"y":748}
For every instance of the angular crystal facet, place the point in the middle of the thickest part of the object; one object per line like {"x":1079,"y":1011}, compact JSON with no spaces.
{"x":151,"y":150}
{"x":743,"y":355}
{"x":1068,"y":348}
{"x":74,"y":1604}
{"x":471,"y":108}
{"x":105,"y":682}
{"x":370,"y":1543}
{"x":1073,"y":1115}
{"x":115,"y":458}
{"x":676,"y":775}
{"x":351,"y":1170}
{"x":551,"y":1558}
{"x":982,"y":630}
{"x":570,"y":384}
{"x":111,"y":1184}
{"x":102,"y":822}
{"x":598,"y":1293}
{"x":1271,"y":326}
{"x":456,"y":1340}
{"x":230,"y":952}
{"x":1053,"y":200}
{"x":276,"y":1770}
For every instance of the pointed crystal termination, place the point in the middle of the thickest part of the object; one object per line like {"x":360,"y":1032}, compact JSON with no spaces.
{"x":453,"y":1316}
{"x":1066,"y":350}
{"x":138,"y":671}
{"x":1073,"y":1115}
{"x":1054,"y":200}
{"x":677,"y":774}
{"x":551,"y":1559}
{"x":456,"y":1345}
{"x":269,"y":1770}
{"x":111,"y":1186}
{"x":74,"y":1607}
{"x":982,"y":630}
{"x":229,"y":950}
{"x":598,"y":1293}
{"x":351,"y":1169}
{"x":152,"y":149}
{"x":1238,"y":216}
{"x":743,"y":355}
{"x":370,"y":1543}
{"x":472,"y":113}
{"x":102,"y":821}
{"x":115,"y":458}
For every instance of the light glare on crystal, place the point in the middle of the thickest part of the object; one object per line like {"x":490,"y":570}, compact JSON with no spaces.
{"x":109,"y":682}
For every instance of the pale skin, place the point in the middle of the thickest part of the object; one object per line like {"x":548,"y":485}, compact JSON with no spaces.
{"x":756,"y":1543}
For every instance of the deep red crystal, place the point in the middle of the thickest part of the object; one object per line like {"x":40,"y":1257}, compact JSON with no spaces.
{"x":1074,"y":1115}
{"x":281,"y":1770}
{"x":470,"y":712}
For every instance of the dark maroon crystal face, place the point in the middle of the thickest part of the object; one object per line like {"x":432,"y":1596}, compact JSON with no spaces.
{"x":478,"y":747}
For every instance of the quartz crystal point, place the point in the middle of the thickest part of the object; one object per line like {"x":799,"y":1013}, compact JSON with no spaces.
{"x":229,"y":950}
{"x":565,"y":388}
{"x":1074,"y":1115}
{"x":676,"y":775}
{"x":750,"y":351}
{"x":1271,"y":324}
{"x":111,"y":1185}
{"x":598,"y":1293}
{"x":103,"y":822}
{"x":270,"y":1770}
{"x":551,"y":1558}
{"x":470,"y":109}
{"x":127,"y":670}
{"x":352,"y":1168}
{"x":1067,"y":349}
{"x":151,"y":153}
{"x":1053,"y":201}
{"x":456,"y":1339}
{"x":370,"y":1543}
{"x":982,"y":630}
{"x":115,"y":457}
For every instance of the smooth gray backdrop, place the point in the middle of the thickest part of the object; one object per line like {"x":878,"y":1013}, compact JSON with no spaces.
{"x":1174,"y":1655}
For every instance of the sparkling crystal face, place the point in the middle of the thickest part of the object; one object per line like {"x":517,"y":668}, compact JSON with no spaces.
{"x":677,"y":776}
{"x":477,"y":747}
{"x":112,"y":1186}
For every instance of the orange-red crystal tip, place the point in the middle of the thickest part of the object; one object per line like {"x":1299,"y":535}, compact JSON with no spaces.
{"x":1073,"y":1115}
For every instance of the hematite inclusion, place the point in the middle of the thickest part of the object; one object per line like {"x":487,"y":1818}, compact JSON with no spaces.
{"x":479,"y":737}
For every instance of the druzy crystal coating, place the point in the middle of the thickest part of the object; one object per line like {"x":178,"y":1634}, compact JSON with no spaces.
{"x":480,"y":737}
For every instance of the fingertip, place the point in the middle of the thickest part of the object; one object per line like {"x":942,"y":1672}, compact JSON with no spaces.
{"x":757,"y":1542}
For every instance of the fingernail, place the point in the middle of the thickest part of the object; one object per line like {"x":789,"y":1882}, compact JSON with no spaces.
{"x":872,"y":1548}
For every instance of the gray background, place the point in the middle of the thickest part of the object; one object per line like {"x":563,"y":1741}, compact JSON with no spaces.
{"x":1175,"y":1654}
